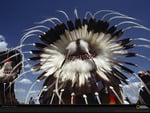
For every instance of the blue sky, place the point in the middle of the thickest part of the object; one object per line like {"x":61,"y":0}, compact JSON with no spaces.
{"x":18,"y":15}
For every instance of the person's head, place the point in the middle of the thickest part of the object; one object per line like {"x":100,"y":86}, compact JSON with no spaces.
{"x":145,"y":76}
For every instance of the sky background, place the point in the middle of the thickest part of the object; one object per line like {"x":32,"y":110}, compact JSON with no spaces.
{"x":18,"y":15}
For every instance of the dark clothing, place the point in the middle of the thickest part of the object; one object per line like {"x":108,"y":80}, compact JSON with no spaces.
{"x":145,"y":96}
{"x":31,"y":101}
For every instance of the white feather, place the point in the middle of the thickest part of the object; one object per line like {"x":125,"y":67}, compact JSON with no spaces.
{"x":102,"y":75}
{"x":100,"y":37}
{"x":65,"y":76}
{"x":77,"y":34}
{"x":87,"y":76}
{"x":102,"y":62}
{"x":74,"y":35}
{"x":114,"y":47}
{"x":84,"y":32}
{"x":57,"y":73}
{"x":54,"y":57}
{"x":79,"y":31}
{"x":50,"y":71}
{"x":54,"y":47}
{"x":61,"y":43}
{"x":68,"y":35}
{"x":71,"y":48}
{"x":47,"y":65}
{"x":59,"y":46}
{"x":103,"y":44}
{"x":50,"y":51}
{"x":55,"y":60}
{"x":84,"y":46}
{"x":43,"y":55}
{"x":81,"y":79}
{"x":89,"y":36}
{"x":120,"y":52}
{"x":64,"y":39}
{"x":46,"y":60}
{"x":74,"y":78}
{"x":94,"y":38}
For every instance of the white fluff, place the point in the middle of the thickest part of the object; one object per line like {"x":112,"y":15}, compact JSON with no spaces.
{"x":78,"y":65}
{"x":71,"y":48}
{"x":84,"y":46}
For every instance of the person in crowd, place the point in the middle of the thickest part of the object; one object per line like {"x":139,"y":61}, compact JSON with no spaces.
{"x":144,"y":96}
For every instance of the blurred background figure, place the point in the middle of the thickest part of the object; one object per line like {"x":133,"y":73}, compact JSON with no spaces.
{"x":10,"y":67}
{"x":31,"y":101}
{"x":145,"y":76}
